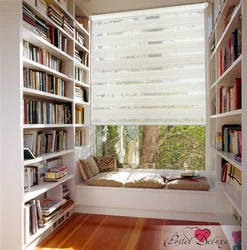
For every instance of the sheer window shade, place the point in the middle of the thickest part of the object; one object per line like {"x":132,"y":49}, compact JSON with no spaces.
{"x":148,"y":67}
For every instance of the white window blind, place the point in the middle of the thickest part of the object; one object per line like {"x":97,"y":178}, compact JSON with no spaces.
{"x":148,"y":67}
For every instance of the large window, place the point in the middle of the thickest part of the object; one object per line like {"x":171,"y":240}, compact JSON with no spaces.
{"x":178,"y":147}
{"x":148,"y":86}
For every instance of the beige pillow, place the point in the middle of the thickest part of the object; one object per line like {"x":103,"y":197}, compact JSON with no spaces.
{"x":106,"y":163}
{"x":109,"y":179}
{"x":93,"y":165}
{"x":145,"y":180}
{"x":188,"y":185}
{"x":88,"y":168}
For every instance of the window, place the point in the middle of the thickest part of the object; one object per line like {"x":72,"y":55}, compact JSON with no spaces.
{"x":177,"y":147}
{"x":148,"y":74}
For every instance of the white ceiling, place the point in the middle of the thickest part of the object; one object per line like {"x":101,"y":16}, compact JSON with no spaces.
{"x":93,"y":7}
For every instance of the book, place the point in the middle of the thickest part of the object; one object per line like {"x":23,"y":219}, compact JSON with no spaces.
{"x":188,"y":173}
{"x":56,"y":175}
{"x":50,"y":205}
{"x":28,"y":154}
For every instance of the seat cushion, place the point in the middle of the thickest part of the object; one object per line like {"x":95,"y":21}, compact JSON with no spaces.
{"x":106,"y":163}
{"x":145,"y":180}
{"x":188,"y":185}
{"x":109,"y":179}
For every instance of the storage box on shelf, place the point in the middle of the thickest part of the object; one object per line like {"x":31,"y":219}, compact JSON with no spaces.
{"x":225,"y":94}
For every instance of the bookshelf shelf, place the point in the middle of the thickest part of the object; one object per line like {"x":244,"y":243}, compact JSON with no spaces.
{"x":48,"y":156}
{"x":81,"y":29}
{"x":230,"y":113}
{"x":37,"y":40}
{"x":81,"y":47}
{"x":229,"y":157}
{"x":44,"y":95}
{"x":42,"y":188}
{"x":42,"y":230}
{"x":33,"y":126}
{"x":80,"y":65}
{"x":231,"y":73}
{"x":81,"y":84}
{"x":37,"y":12}
{"x":232,"y":195}
{"x":232,"y":23}
{"x":27,"y":63}
{"x":81,"y":125}
{"x":81,"y":103}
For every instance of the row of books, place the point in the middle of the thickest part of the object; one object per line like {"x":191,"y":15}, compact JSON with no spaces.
{"x":60,"y":19}
{"x":38,"y":213}
{"x":57,"y":39}
{"x":39,"y":80}
{"x":230,"y":97}
{"x":80,"y":139}
{"x":232,"y":49}
{"x":79,"y":37}
{"x":231,"y":175}
{"x":36,"y":112}
{"x":231,"y":137}
{"x":80,"y":74}
{"x":47,"y":141}
{"x":79,"y":115}
{"x":81,"y":57}
{"x":41,"y":56}
{"x":81,"y":93}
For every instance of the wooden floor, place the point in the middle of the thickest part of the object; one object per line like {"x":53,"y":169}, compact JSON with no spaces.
{"x":101,"y":232}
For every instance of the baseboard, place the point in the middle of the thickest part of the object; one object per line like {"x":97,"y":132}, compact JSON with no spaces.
{"x":206,"y":217}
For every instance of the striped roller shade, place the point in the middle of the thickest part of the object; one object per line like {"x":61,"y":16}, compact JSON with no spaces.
{"x":148,"y":67}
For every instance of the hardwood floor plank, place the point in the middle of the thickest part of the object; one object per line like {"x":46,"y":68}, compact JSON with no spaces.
{"x":113,"y":233}
{"x":84,"y":232}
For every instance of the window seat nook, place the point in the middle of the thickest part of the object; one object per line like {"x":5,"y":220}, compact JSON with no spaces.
{"x":152,"y":202}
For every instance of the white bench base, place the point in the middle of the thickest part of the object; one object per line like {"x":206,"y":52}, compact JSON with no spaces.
{"x":149,"y":203}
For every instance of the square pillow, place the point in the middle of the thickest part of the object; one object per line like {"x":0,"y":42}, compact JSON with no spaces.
{"x":93,"y":165}
{"x":88,"y":168}
{"x":188,"y":185}
{"x":106,"y":163}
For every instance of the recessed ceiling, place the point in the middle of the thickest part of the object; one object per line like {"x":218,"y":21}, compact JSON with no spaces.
{"x":93,"y":7}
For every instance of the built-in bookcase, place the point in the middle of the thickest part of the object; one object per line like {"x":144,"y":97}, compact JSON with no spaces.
{"x":226,"y":109}
{"x":54,"y":49}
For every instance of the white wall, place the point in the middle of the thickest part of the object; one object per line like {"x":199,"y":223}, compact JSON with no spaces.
{"x":93,"y":7}
{"x":10,"y":127}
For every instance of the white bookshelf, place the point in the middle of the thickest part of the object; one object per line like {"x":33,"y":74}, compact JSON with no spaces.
{"x":11,"y":49}
{"x":228,"y":200}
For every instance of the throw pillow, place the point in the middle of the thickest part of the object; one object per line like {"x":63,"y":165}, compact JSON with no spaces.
{"x":93,"y":165}
{"x":106,"y":163}
{"x":85,"y":170}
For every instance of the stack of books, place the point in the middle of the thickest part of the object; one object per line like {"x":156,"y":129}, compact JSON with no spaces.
{"x":28,"y":16}
{"x":187,"y":175}
{"x":68,"y":26}
{"x":56,"y":173}
{"x":55,"y":15}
